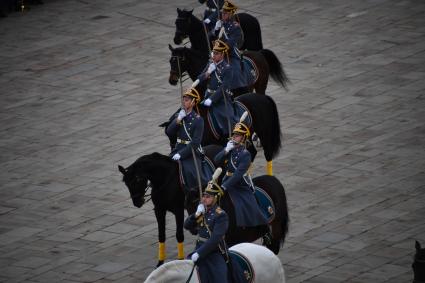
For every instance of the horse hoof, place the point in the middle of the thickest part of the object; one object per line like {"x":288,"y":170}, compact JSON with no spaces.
{"x":160,"y":262}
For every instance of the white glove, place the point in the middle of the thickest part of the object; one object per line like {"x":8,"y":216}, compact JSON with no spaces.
{"x":207,"y":21}
{"x":211,"y":68}
{"x":195,"y":257}
{"x":218,"y":25}
{"x":195,"y":83}
{"x":230,"y":145}
{"x":181,"y":115}
{"x":176,"y":156}
{"x":207,"y":102}
{"x":200,"y":210}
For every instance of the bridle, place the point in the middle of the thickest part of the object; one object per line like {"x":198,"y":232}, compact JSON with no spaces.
{"x":186,"y":21}
{"x":417,"y":262}
{"x":141,"y":194}
{"x":182,"y":35}
{"x":180,"y":61}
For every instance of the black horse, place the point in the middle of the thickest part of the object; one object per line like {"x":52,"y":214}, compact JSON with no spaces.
{"x":193,"y":61}
{"x":160,"y":174}
{"x":187,"y":25}
{"x":418,"y":264}
{"x":265,"y":123}
{"x":168,"y":195}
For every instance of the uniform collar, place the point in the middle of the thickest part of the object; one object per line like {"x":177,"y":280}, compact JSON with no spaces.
{"x":211,"y":208}
{"x":190,"y":114}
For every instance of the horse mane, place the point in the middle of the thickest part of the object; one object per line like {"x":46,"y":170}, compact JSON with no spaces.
{"x":151,"y":157}
{"x":269,"y":133}
{"x":148,"y":158}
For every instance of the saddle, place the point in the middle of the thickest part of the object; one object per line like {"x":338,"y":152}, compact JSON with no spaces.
{"x":244,"y":266}
{"x":266,"y":204}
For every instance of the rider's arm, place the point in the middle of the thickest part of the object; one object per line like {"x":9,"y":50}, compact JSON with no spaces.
{"x":220,"y":157}
{"x":204,"y":75}
{"x":172,"y":128}
{"x":196,"y":139}
{"x":245,"y":161}
{"x":191,"y":224}
{"x":234,"y":36}
{"x":220,"y":228}
{"x":227,"y":77}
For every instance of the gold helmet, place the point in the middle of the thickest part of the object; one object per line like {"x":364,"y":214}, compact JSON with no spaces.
{"x":242,"y":129}
{"x":214,"y":189}
{"x":193,"y":93}
{"x":220,"y":46}
{"x":229,"y":7}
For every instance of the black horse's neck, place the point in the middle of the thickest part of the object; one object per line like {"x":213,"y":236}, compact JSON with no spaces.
{"x":159,"y":169}
{"x":198,"y":35}
{"x":197,"y":61}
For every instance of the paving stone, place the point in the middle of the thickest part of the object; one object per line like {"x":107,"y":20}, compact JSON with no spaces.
{"x":352,"y":160}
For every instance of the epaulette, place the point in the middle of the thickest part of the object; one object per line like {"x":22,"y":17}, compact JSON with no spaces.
{"x":218,"y":210}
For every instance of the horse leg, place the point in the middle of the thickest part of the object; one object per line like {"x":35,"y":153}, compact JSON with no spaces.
{"x":179,"y":216}
{"x":276,"y":237}
{"x":160,"y":219}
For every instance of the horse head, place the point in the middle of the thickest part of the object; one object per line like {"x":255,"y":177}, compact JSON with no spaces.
{"x":137,"y":184}
{"x":178,"y":64}
{"x":418,"y":264}
{"x":192,"y":200}
{"x":182,"y":22}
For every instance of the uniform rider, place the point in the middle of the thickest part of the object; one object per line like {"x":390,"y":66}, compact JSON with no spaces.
{"x":189,"y":127}
{"x":210,"y":222}
{"x":237,"y":182}
{"x":218,"y":96}
{"x":212,"y":12}
{"x":229,"y":30}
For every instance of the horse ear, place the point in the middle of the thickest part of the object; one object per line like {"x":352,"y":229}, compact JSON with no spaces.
{"x":121,"y":169}
{"x":417,"y":245}
{"x":164,"y":125}
{"x":191,"y":11}
{"x":178,"y":11}
{"x":170,"y":47}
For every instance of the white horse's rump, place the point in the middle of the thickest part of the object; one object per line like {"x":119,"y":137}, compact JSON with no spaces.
{"x":267,"y":267}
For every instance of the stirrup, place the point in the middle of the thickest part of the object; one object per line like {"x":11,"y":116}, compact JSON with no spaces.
{"x":267,"y":239}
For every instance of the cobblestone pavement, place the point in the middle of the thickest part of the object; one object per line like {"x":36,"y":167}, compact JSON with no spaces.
{"x":84,"y":85}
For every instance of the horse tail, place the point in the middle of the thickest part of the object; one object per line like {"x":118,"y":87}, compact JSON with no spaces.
{"x":275,"y":131}
{"x":283,"y":213}
{"x":266,"y":122}
{"x":276,"y":70}
{"x":251,"y":32}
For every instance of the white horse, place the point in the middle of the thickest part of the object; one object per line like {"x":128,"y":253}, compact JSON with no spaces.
{"x":267,"y":267}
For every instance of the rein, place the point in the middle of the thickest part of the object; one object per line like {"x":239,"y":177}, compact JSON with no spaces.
{"x":146,"y":197}
{"x":179,"y":72}
{"x":191,"y":273}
